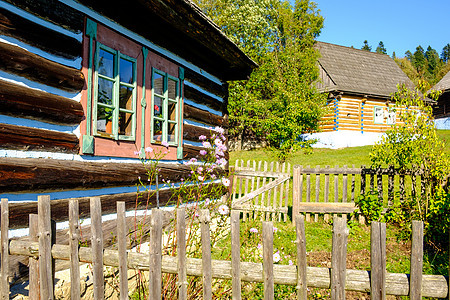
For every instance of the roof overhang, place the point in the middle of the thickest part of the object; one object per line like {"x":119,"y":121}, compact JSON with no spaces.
{"x":182,"y":28}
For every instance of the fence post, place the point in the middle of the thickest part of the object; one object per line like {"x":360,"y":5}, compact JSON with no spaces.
{"x":378,"y":261}
{"x":235,"y":255}
{"x":34,"y":289}
{"x":97,"y":247}
{"x":267,"y":235}
{"x":4,"y":249}
{"x":295,"y":192}
{"x":122,"y":250}
{"x":74,"y":239}
{"x":338,"y":258}
{"x":301,"y":258}
{"x":206,"y":254}
{"x":45,"y":248}
{"x":415,"y":285}
{"x":181,"y":253}
{"x":155,"y":255}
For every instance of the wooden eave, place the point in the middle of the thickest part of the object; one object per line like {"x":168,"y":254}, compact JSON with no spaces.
{"x":180,"y":27}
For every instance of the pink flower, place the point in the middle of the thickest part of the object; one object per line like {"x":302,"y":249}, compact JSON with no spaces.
{"x":253,"y":230}
{"x":200,"y":170}
{"x":218,"y":142}
{"x":201,"y":178}
{"x":207,"y":200}
{"x":291,"y":263}
{"x":202,"y":137}
{"x":165,"y":144}
{"x":149,"y":149}
{"x":206,"y":145}
{"x":223,"y":209}
{"x":203,"y":152}
{"x":137,"y":153}
{"x":259,"y":246}
{"x":225,"y":181}
{"x":275,"y":229}
{"x":276,"y":257}
{"x":219,"y":130}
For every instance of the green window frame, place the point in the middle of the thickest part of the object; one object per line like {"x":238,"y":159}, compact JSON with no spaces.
{"x":378,"y":119}
{"x":165,"y":108}
{"x":114,"y":105}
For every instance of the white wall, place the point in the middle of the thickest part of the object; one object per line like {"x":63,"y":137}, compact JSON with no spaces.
{"x":343,"y":139}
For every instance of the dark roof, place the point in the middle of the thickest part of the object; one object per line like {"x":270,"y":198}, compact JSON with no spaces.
{"x":443,"y":84}
{"x":361,"y":72}
{"x":182,"y":28}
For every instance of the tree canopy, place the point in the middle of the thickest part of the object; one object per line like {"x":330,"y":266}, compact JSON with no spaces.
{"x":366,"y":46}
{"x":380,"y":48}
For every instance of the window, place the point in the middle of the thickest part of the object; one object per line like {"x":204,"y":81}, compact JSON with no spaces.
{"x":114,"y":107}
{"x":390,"y":116}
{"x":165,"y":109}
{"x":378,"y":116}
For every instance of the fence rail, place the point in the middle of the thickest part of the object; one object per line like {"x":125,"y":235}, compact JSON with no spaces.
{"x":338,"y":279}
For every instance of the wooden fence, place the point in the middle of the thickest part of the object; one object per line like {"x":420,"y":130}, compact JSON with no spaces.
{"x":261,"y":189}
{"x":44,"y":251}
{"x":333,"y":190}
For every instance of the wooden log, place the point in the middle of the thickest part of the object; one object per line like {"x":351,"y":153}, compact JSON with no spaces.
{"x":21,"y":62}
{"x":338,"y":258}
{"x":45,"y":248}
{"x":205,"y":219}
{"x":415,"y":287}
{"x":24,"y":174}
{"x":20,"y":210}
{"x":33,"y":275}
{"x":301,"y":258}
{"x":181,"y":253}
{"x":19,"y":101}
{"x":205,"y":83}
{"x":122,"y":250}
{"x":42,"y":37}
{"x":267,"y":237}
{"x":200,"y":98}
{"x":203,"y":116}
{"x":97,"y":248}
{"x":28,"y":139}
{"x":190,"y":151}
{"x":53,"y":11}
{"x":378,"y":261}
{"x":4,"y":251}
{"x":192,"y":133}
{"x":235,"y":255}
{"x":155,"y":255}
{"x":356,"y":280}
{"x":74,"y":240}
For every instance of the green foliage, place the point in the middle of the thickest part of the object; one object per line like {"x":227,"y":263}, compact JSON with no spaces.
{"x":366,"y":46}
{"x":380,"y":48}
{"x":279,"y":101}
{"x":370,"y":206}
{"x":445,"y":54}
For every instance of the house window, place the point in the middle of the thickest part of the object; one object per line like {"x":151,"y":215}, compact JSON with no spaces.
{"x":114,"y":114}
{"x":165,"y":107}
{"x":378,"y":116}
{"x":390,"y":116}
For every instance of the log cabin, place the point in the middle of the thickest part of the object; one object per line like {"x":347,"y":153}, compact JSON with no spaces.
{"x":86,"y":86}
{"x":359,"y":84}
{"x":441,"y":111}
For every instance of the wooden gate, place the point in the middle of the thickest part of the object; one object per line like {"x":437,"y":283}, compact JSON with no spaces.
{"x":260,"y":188}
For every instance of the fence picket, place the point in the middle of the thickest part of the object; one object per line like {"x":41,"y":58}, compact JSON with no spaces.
{"x":282,"y":187}
{"x":336,"y":188}
{"x":338,"y":258}
{"x":45,"y":248}
{"x":74,"y":243}
{"x":269,"y":194}
{"x":301,"y":258}
{"x":155,"y":254}
{"x":205,"y":219}
{"x":378,"y":261}
{"x":380,"y":187}
{"x":4,"y":285}
{"x":415,"y":287}
{"x":122,"y":248}
{"x":235,"y":255}
{"x":263,"y":194}
{"x":286,"y":201}
{"x":33,"y":276}
{"x":308,"y":193}
{"x":181,"y":253}
{"x":401,"y":183}
{"x":326,"y":194}
{"x":316,"y":216}
{"x":267,"y":235}
{"x":258,"y":198}
{"x":97,"y":247}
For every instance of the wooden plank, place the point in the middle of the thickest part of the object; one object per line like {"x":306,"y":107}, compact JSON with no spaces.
{"x":282,"y":187}
{"x":192,"y":133}
{"x":193,"y":113}
{"x":29,"y":139}
{"x":42,"y":37}
{"x":45,"y":248}
{"x":190,"y":151}
{"x":74,"y":244}
{"x":255,"y":213}
{"x":205,"y":83}
{"x":33,"y":275}
{"x":380,"y":187}
{"x":246,"y":189}
{"x":97,"y":248}
{"x":378,"y":261}
{"x":338,"y":258}
{"x":402,"y":186}
{"x":263,"y":203}
{"x":200,"y":98}
{"x":415,"y":287}
{"x":21,"y":62}
{"x":286,"y":200}
{"x":296,"y":191}
{"x":155,"y":255}
{"x":269,"y":192}
{"x":205,"y":219}
{"x":356,"y":280}
{"x":344,"y":187}
{"x":317,"y":192}
{"x":327,"y":207}
{"x":4,"y":251}
{"x":326,"y":194}
{"x":235,"y":255}
{"x":390,"y":189}
{"x":352,"y":176}
{"x":122,"y":250}
{"x":301,"y":258}
{"x":308,"y":192}
{"x":258,"y":179}
{"x":262,"y":209}
{"x":20,"y":101}
{"x":260,"y":191}
{"x":363,"y":181}
{"x":181,"y":254}
{"x":267,"y":237}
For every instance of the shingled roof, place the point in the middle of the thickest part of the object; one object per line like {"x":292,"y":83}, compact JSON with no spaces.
{"x":443,"y":84}
{"x":360,"y":72}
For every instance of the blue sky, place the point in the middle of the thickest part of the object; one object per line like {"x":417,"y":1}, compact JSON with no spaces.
{"x":401,"y":25}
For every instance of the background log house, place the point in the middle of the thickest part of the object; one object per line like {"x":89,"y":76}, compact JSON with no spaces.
{"x":441,"y":111}
{"x":49,"y":51}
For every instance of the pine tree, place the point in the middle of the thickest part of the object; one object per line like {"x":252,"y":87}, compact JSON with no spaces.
{"x":433,"y":63}
{"x":393,"y":55}
{"x":419,"y":61}
{"x":381,"y":49}
{"x":445,"y":55}
{"x":366,"y":46}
